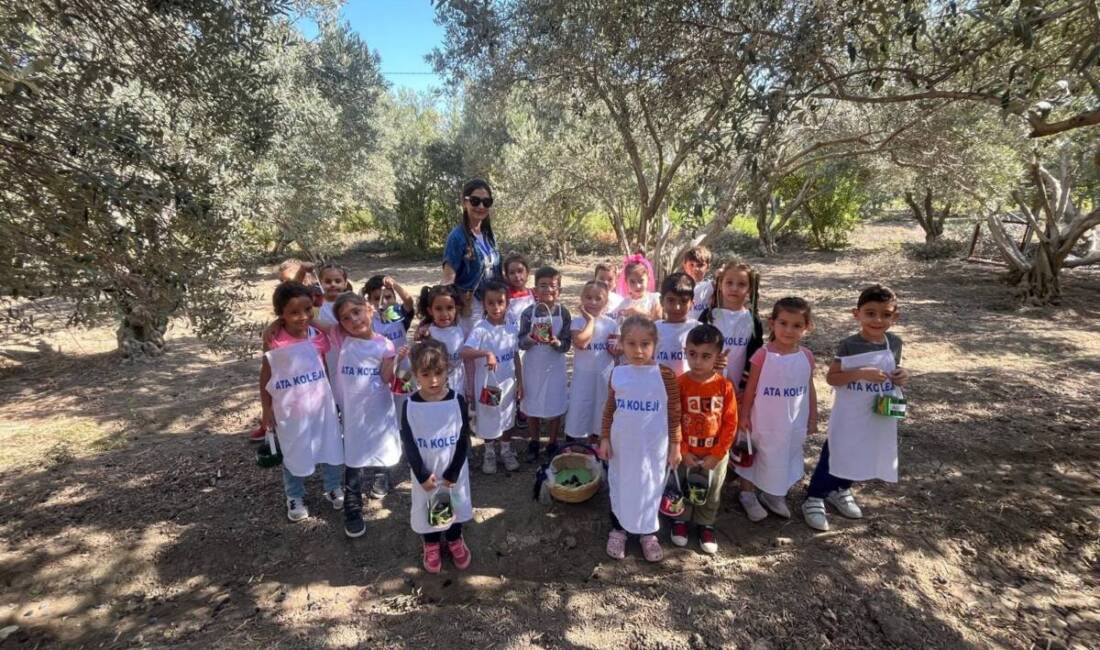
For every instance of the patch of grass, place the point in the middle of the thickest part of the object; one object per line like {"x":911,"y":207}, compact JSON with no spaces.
{"x":937,"y":250}
{"x":53,"y":442}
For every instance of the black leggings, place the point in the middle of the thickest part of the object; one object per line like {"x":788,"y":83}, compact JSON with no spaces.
{"x":451,"y":534}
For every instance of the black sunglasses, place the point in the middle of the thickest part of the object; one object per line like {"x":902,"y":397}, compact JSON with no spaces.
{"x":477,"y":201}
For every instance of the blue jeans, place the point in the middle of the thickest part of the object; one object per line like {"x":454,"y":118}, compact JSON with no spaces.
{"x":822,"y":483}
{"x":332,"y":476}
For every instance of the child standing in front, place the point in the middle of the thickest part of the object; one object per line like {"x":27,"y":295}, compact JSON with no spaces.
{"x":636,"y":287}
{"x":520,"y":297}
{"x":594,"y":336}
{"x":708,"y":412}
{"x":435,"y":433}
{"x":640,"y":439}
{"x":439,"y":308}
{"x":361,"y":383}
{"x":862,"y":444}
{"x":733,"y":312}
{"x":696,"y":263}
{"x":545,"y":337}
{"x":493,"y":348}
{"x":677,"y":292}
{"x":334,"y":281}
{"x":780,"y":410}
{"x":297,"y":400}
{"x":606,"y":272}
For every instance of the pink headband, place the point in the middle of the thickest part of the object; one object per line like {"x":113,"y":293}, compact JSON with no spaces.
{"x":637,"y":258}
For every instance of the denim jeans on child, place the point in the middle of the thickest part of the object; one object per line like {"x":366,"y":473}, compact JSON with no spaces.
{"x":332,"y":476}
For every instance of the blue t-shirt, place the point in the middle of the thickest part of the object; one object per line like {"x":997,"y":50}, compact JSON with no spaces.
{"x":472,"y":270}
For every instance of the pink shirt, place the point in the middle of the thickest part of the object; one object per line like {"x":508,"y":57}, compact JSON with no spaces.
{"x":758,"y":356}
{"x":319,"y":339}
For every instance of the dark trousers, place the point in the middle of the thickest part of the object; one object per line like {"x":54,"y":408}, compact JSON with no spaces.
{"x":822,"y":483}
{"x":353,"y":489}
{"x":451,"y":534}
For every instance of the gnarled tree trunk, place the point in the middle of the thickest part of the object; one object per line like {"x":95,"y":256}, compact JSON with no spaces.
{"x":930,"y":221}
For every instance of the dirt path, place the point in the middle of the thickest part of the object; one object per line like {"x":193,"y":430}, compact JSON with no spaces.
{"x":132,"y":513}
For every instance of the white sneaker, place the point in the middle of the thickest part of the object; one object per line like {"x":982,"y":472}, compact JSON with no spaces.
{"x":489,"y":462}
{"x":508,"y":455}
{"x":752,"y":506}
{"x":776,"y":503}
{"x":679,"y":533}
{"x":845,"y":503}
{"x":813,"y":511}
{"x":336,"y":498}
{"x":296,"y":510}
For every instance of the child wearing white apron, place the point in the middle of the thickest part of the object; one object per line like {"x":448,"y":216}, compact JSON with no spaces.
{"x":742,"y":332}
{"x":453,"y":339}
{"x":641,"y":422}
{"x":306,"y":424}
{"x":671,"y":341}
{"x":544,"y":373}
{"x":491,"y":421}
{"x":780,"y":413}
{"x":592,"y":365}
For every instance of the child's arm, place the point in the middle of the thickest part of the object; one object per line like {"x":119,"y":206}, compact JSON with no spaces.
{"x":656,"y":313}
{"x":811,"y":426}
{"x":389,"y":363}
{"x":267,"y":417}
{"x":605,"y":424}
{"x":304,"y":269}
{"x":564,"y":339}
{"x":583,"y":336}
{"x":407,"y":302}
{"x":838,"y":377}
{"x":749,"y":396}
{"x":524,"y":336}
{"x":727,"y":428}
{"x":469,"y":353}
{"x":412,"y":454}
{"x":519,"y":377}
{"x":672,"y":388}
{"x":450,"y":475}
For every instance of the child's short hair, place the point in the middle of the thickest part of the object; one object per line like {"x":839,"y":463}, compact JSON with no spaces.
{"x":603,"y":267}
{"x":876,"y":293}
{"x":679,"y":284}
{"x":515,"y":258}
{"x":602,"y":286}
{"x":698,"y":254}
{"x":546,"y":272}
{"x":287,"y":291}
{"x":373,"y":283}
{"x":706,"y":334}
{"x":792,"y":304}
{"x":343,"y":299}
{"x":638,"y":322}
{"x":428,"y":295}
{"x":429,"y":355}
{"x":495,"y":286}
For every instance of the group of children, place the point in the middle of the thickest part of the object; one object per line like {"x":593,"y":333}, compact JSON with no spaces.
{"x":674,"y":387}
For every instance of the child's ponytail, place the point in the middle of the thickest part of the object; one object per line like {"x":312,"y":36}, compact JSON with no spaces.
{"x":424,"y":305}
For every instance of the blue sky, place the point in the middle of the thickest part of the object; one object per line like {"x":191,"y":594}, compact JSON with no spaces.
{"x":402,"y":32}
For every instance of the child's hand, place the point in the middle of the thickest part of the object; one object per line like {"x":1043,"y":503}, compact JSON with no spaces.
{"x":422,"y":333}
{"x":491,"y":361}
{"x":554,"y":341}
{"x":744,"y":422}
{"x":900,"y":376}
{"x":605,"y":449}
{"x":674,"y":456}
{"x":402,"y":352}
{"x":690,"y":459}
{"x":519,"y":392}
{"x":430,"y":484}
{"x":267,"y":420}
{"x":388,"y":282}
{"x":723,"y":360}
{"x":710,"y":462}
{"x":448,"y":484}
{"x":872,"y":375}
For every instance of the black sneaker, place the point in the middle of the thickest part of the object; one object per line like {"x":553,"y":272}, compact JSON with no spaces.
{"x":354,"y":526}
{"x":521,"y":420}
{"x":381,"y":485}
{"x":551,"y":451}
{"x":532,"y":451}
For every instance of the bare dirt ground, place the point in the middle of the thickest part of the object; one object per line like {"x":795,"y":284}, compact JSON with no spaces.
{"x":132,"y":513}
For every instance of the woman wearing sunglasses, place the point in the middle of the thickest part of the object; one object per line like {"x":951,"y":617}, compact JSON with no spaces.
{"x":471,"y":258}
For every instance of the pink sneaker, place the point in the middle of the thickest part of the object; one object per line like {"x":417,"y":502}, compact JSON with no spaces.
{"x":259,"y":434}
{"x":433,"y":561}
{"x":616,"y":544}
{"x":651,"y":548}
{"x":460,"y":553}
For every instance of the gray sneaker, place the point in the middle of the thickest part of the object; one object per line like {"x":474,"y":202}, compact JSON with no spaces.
{"x":508,"y":455}
{"x":845,"y":503}
{"x":489,"y":460}
{"x":813,"y":511}
{"x":776,"y":503}
{"x":381,"y":485}
{"x":296,"y":510}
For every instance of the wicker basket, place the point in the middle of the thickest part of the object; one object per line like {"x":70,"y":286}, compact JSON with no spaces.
{"x":573,"y":493}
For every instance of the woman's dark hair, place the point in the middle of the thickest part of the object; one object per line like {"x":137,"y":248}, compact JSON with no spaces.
{"x":486,"y":226}
{"x":428,"y":296}
{"x":345,"y":298}
{"x":794,"y":305}
{"x":495,"y":286}
{"x":638,"y":322}
{"x":706,"y":334}
{"x":429,"y":354}
{"x":287,"y":291}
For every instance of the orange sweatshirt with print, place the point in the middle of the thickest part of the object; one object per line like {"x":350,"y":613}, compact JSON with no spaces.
{"x":708,"y":415}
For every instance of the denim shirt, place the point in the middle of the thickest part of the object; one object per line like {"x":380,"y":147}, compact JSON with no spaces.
{"x":468,"y":271}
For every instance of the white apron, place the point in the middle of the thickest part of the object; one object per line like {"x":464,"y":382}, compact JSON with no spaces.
{"x":639,"y":447}
{"x":436,"y":427}
{"x":646,"y":303}
{"x":592,"y":367}
{"x":544,"y":377}
{"x":515,"y":309}
{"x":704,"y":291}
{"x":671,"y":341}
{"x":305,"y":414}
{"x":396,"y":333}
{"x":736,"y":328}
{"x":780,"y":413}
{"x":493,"y":421}
{"x":863,"y":445}
{"x":452,"y":338}
{"x":326,"y":316}
{"x":371,"y":437}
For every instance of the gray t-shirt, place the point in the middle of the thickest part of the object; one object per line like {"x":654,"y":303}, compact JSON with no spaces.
{"x":856,"y":344}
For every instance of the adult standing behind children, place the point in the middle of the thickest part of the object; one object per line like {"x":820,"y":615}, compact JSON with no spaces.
{"x":471,"y":257}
